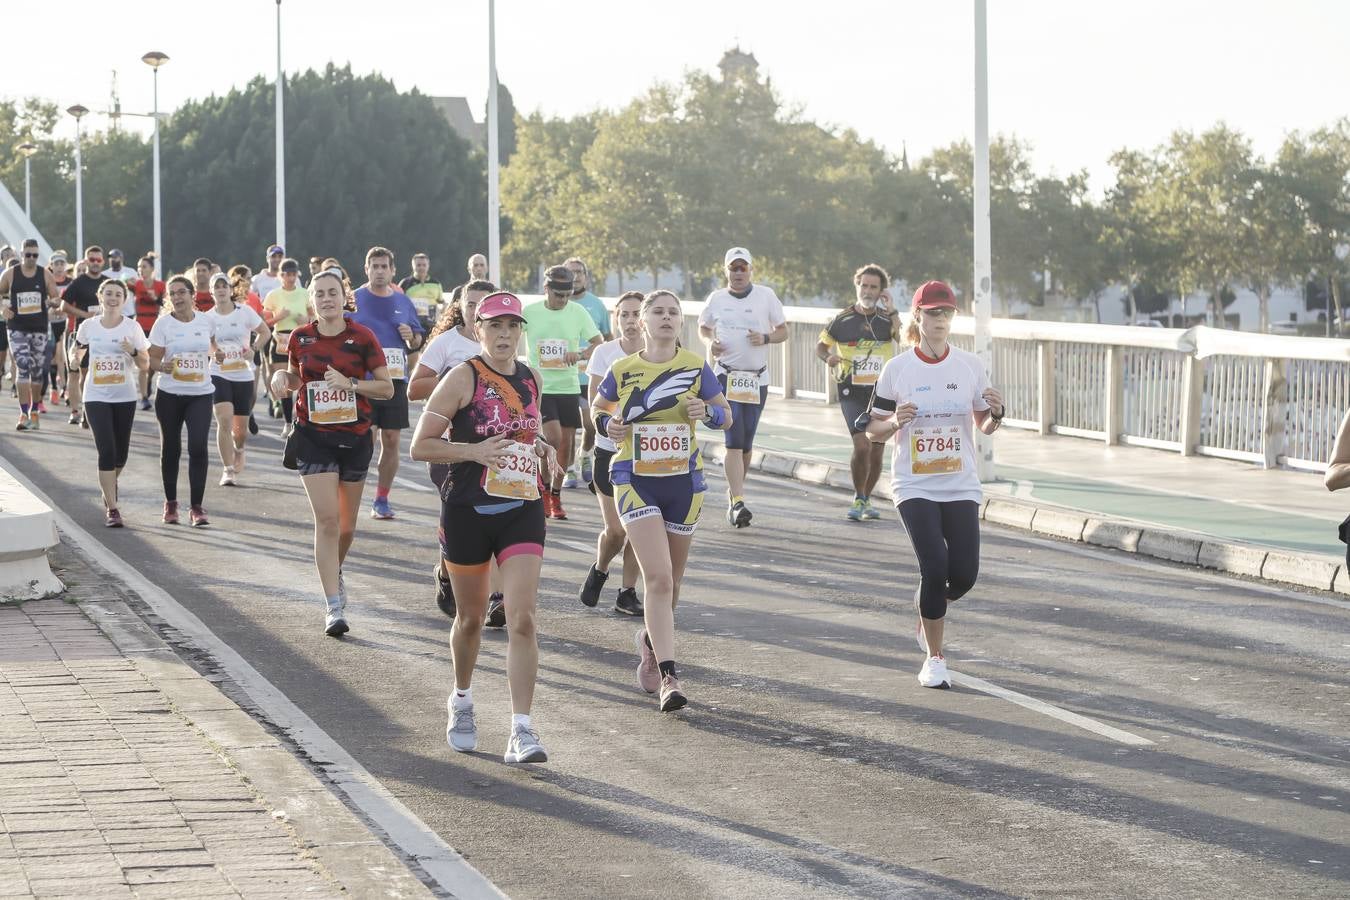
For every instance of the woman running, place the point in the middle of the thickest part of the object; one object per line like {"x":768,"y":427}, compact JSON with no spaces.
{"x":491,"y":508}
{"x":627,"y":317}
{"x":454,"y":340}
{"x":111,"y":349}
{"x":182,"y":344}
{"x":149,"y":294}
{"x":648,"y":404}
{"x":55,"y":370}
{"x":937,"y":395}
{"x":239,"y":332}
{"x":335,"y":367}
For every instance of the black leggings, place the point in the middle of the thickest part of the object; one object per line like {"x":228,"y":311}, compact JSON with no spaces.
{"x":946,"y":539}
{"x":111,"y":425}
{"x":173,"y":410}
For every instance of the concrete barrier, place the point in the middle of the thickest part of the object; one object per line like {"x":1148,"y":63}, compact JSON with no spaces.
{"x":1059,"y":523}
{"x":1115,"y":535}
{"x":1002,"y":511}
{"x":1240,"y":559}
{"x":27,"y":532}
{"x":1295,"y":569}
{"x":1171,"y":545}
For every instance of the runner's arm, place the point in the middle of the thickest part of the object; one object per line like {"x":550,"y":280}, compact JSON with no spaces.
{"x":379,"y":386}
{"x":422,"y":383}
{"x":1338,"y":468}
{"x":452,"y":394}
{"x":263,"y":335}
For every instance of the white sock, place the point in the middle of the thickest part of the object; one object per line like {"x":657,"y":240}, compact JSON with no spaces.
{"x":520,"y":721}
{"x":463,"y":697}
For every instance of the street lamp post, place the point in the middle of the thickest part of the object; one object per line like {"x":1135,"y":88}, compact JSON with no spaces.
{"x":281,"y":149}
{"x":78,"y":112}
{"x":984,"y":285}
{"x":28,"y":148}
{"x":154,"y":59}
{"x":494,"y":203}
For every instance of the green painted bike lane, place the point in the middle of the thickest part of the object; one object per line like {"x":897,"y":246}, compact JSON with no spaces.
{"x":1174,"y":509}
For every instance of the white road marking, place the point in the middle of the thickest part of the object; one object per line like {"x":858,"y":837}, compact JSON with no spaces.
{"x":1050,"y":710}
{"x":409,"y":833}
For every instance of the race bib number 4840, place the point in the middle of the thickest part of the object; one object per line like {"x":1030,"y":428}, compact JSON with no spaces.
{"x":661,"y":450}
{"x":329,"y":405}
{"x":935,"y":451}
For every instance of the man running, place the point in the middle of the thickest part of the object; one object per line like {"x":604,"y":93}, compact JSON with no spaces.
{"x":116,"y":270}
{"x":284,"y":310}
{"x":81,"y":301}
{"x":268,"y":280}
{"x":478,"y":267}
{"x":202,"y":269}
{"x":559,"y":334}
{"x":738,"y":323}
{"x":56,"y":347}
{"x":581,"y":293}
{"x":29,"y":292}
{"x":856,"y":344}
{"x":423,"y":290}
{"x":393,"y":318}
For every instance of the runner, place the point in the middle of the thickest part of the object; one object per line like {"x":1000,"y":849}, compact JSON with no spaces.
{"x":81,"y":302}
{"x":29,"y":292}
{"x":612,"y":540}
{"x":117,"y":270}
{"x":454,"y":340}
{"x":315,"y":266}
{"x":56,"y":347}
{"x":477,"y":267}
{"x":181,"y":347}
{"x":423,"y":290}
{"x":149,"y":305}
{"x":284,"y":310}
{"x":856,"y":345}
{"x":239,"y":333}
{"x":648,"y":404}
{"x":491,"y":509}
{"x":107,"y":346}
{"x":337,"y":367}
{"x":581,"y":293}
{"x":269,"y":279}
{"x":202,"y":270}
{"x":938,"y":395}
{"x":559,"y":335}
{"x":392,"y":317}
{"x":739,"y":322}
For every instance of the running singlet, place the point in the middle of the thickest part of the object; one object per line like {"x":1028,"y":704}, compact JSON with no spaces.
{"x":383,"y":315}
{"x":28,"y":299}
{"x":551,"y":334}
{"x":653,"y":398}
{"x":501,"y":404}
{"x":111,"y":376}
{"x":287,"y":308}
{"x":934,"y":456}
{"x":355,"y":353}
{"x":863,"y":344}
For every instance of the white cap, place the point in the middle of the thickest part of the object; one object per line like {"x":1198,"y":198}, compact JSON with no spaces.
{"x":736,"y":253}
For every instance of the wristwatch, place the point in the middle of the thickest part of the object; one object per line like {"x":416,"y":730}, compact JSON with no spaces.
{"x":352,"y":381}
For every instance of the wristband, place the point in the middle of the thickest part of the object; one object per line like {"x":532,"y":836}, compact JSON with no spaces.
{"x":715,"y":417}
{"x":999,"y":417}
{"x":602,"y":422}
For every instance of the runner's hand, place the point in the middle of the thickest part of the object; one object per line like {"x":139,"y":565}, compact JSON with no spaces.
{"x":571,"y":359}
{"x":491,"y":452}
{"x":905,"y":413}
{"x":128,"y":347}
{"x":696,"y":409}
{"x":833,"y":360}
{"x":220,"y":356}
{"x":717,"y":348}
{"x":548,"y":459}
{"x":281,"y":383}
{"x":7,"y":313}
{"x":756,"y":339}
{"x":405,"y":332}
{"x":618,"y":430}
{"x":336,"y":380}
{"x":995,"y":401}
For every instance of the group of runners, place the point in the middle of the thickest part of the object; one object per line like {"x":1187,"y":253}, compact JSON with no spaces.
{"x":500,"y":429}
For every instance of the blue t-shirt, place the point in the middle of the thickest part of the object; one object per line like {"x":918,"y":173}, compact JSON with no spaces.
{"x":596,"y":307}
{"x":383,"y":315}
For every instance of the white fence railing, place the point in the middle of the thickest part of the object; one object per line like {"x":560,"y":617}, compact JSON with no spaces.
{"x":1274,"y":400}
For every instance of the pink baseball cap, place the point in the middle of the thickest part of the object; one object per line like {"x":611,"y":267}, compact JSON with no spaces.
{"x":501,"y":303}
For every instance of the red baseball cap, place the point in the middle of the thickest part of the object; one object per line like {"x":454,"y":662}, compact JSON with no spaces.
{"x":934,"y":295}
{"x":499,"y":304}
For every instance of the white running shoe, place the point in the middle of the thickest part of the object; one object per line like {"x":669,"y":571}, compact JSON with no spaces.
{"x":524,"y":746}
{"x":227,"y":477}
{"x":460,"y":731}
{"x":934,"y":673}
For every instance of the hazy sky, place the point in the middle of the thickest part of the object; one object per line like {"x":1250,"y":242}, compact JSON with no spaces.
{"x":1077,"y":78}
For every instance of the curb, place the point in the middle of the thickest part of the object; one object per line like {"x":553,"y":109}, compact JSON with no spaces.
{"x":1309,"y":570}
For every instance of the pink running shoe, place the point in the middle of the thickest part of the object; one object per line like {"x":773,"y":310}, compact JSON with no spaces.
{"x":648,"y":673}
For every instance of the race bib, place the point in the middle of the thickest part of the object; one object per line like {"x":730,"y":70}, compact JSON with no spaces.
{"x":108,"y":369}
{"x":516,"y":477}
{"x":329,"y":405}
{"x":423,"y":307}
{"x":935,"y":450}
{"x":396,"y":360}
{"x":282,"y":341}
{"x":236,"y":358}
{"x":189,"y":368}
{"x":661,"y":450}
{"x":552,"y":354}
{"x":866,"y":370}
{"x":743,"y":387}
{"x":30,"y":302}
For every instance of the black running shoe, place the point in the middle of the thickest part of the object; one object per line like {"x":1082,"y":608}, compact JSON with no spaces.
{"x":252,"y":424}
{"x":628,"y":602}
{"x":739,"y":514}
{"x":445,"y":595}
{"x":595,"y":583}
{"x":496,"y":617}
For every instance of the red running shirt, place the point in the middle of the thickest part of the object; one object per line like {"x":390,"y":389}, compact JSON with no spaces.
{"x":149,"y":302}
{"x":354,"y":352}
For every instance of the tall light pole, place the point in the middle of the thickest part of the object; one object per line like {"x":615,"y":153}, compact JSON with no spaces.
{"x":78,"y":112}
{"x":28,"y":148}
{"x":281,"y":148}
{"x":984,"y":285}
{"x":154,"y":59}
{"x":494,"y":204}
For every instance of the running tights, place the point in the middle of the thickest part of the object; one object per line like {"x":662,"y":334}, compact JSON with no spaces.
{"x":111,"y":425}
{"x":946,"y":539}
{"x":173,"y":411}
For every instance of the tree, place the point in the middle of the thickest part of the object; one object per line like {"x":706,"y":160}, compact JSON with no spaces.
{"x":1313,"y":170}
{"x":1137,"y":252}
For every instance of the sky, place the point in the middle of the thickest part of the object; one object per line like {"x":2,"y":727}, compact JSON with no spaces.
{"x":1077,"y":80}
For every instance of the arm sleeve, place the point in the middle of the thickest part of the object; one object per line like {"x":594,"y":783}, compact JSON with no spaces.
{"x":609,"y":388}
{"x":708,"y":386}
{"x":885,"y":396}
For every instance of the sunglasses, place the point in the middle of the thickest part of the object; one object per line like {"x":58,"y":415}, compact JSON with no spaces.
{"x":945,"y":312}
{"x":30,"y":256}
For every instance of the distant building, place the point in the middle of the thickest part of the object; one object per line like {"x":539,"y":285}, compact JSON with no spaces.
{"x":457,"y":113}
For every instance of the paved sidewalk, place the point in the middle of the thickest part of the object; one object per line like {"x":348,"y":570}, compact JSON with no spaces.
{"x":108,"y":788}
{"x":1229,"y":500}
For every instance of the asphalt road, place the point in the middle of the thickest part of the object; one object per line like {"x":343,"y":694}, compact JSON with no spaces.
{"x":810,"y":762}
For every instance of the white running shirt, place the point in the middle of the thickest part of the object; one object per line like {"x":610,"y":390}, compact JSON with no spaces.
{"x":734,"y":318}
{"x":187,"y":345}
{"x":604,"y":357}
{"x":112,"y":376}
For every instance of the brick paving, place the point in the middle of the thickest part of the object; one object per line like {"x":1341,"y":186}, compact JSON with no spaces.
{"x":107,"y":791}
